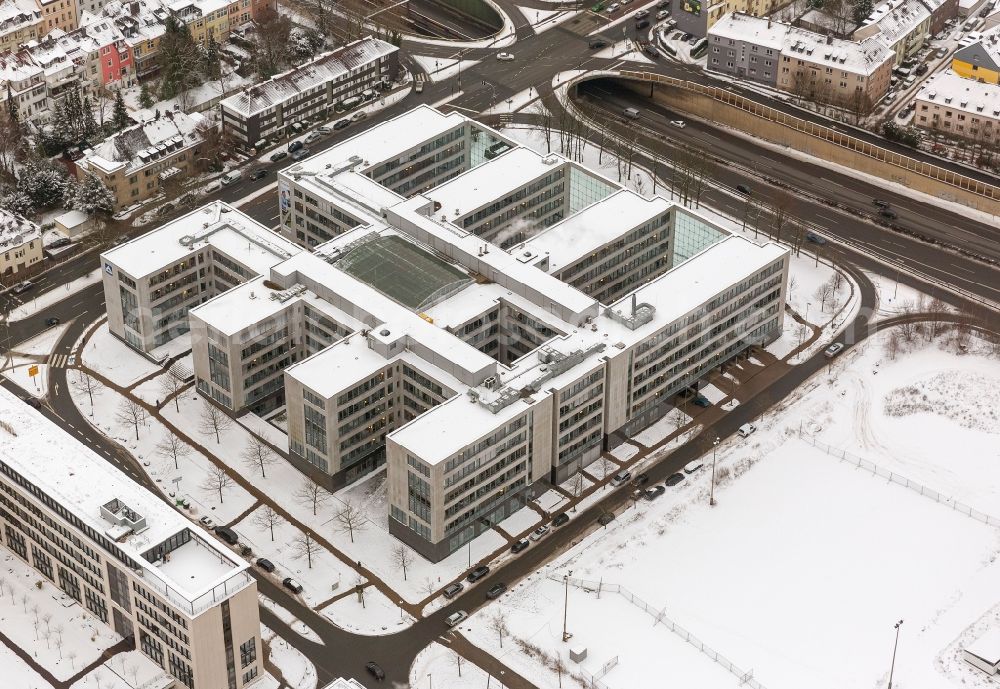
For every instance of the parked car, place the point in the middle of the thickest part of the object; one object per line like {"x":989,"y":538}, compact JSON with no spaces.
{"x":654,"y":492}
{"x":693,"y":466}
{"x":612,"y":7}
{"x":833,"y":350}
{"x":620,"y":478}
{"x":452,"y":590}
{"x":680,"y":124}
{"x":561,"y":518}
{"x":815,"y":238}
{"x":662,"y":14}
{"x":32,"y":402}
{"x":301,"y":153}
{"x":278,"y":155}
{"x":375,"y":670}
{"x":260,"y":173}
{"x":358,"y":116}
{"x":597,"y":43}
{"x":206,"y":522}
{"x":539,"y":533}
{"x":265,"y":564}
{"x":519,"y":546}
{"x":418,"y":87}
{"x":496,"y":591}
{"x":455,"y":618}
{"x":62,"y":241}
{"x":743,"y":189}
{"x":313,"y":136}
{"x":231,"y":177}
{"x":227,"y":534}
{"x":22,"y":287}
{"x":888,"y":214}
{"x":746,"y":429}
{"x":922,"y":70}
{"x":291,"y":585}
{"x":295,"y":145}
{"x":477,"y":574}
{"x":701,"y":401}
{"x":674,"y":479}
{"x":606,"y":518}
{"x":641,"y":24}
{"x":640,"y":480}
{"x":341,"y":124}
{"x":71,"y":361}
{"x":325,"y":130}
{"x":505,"y":57}
{"x":51,"y":321}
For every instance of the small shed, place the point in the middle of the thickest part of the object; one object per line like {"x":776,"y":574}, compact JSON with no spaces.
{"x":73,"y":223}
{"x":984,"y":652}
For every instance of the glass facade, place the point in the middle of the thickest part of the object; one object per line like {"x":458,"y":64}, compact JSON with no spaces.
{"x":692,"y":236}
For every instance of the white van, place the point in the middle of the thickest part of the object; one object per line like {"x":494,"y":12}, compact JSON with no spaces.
{"x":232,"y":177}
{"x":455,"y":618}
{"x":746,"y":429}
{"x":632,"y":113}
{"x":693,"y":466}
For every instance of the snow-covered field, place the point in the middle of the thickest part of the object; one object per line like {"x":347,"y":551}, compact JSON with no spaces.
{"x":437,"y":665}
{"x":296,"y":669}
{"x":114,"y":360}
{"x":371,"y":613}
{"x":18,"y":673}
{"x":127,"y":670}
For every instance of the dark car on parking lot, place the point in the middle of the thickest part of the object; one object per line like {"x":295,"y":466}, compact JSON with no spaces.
{"x":265,"y":564}
{"x":880,"y":203}
{"x":520,"y":545}
{"x":496,"y":591}
{"x":674,"y":479}
{"x":227,"y":534}
{"x":477,"y":574}
{"x":815,"y":238}
{"x":921,"y":70}
{"x":341,"y":124}
{"x":62,"y":241}
{"x":597,"y":43}
{"x":375,"y":670}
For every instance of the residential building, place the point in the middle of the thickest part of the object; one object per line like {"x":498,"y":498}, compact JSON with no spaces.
{"x":20,"y":243}
{"x":981,"y":60}
{"x":152,"y":281}
{"x":20,"y":22}
{"x":941,"y":12}
{"x":849,"y":74}
{"x":316,"y":87}
{"x":138,"y":161}
{"x":968,"y":109}
{"x":24,"y":81}
{"x":697,"y":17}
{"x":59,"y":14}
{"x":127,"y":557}
{"x":902,"y":25}
{"x":204,"y":18}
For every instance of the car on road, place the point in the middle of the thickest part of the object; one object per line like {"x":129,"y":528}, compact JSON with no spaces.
{"x":640,"y":480}
{"x":291,"y":585}
{"x":701,"y":401}
{"x":313,"y":136}
{"x":539,"y":533}
{"x":358,"y":116}
{"x":833,"y":350}
{"x":680,"y":124}
{"x":520,"y":545}
{"x":686,"y":36}
{"x":496,"y":591}
{"x":641,"y":14}
{"x":746,"y":429}
{"x":325,"y":130}
{"x":815,"y":238}
{"x":612,"y":7}
{"x":71,"y":361}
{"x":641,"y":24}
{"x":227,"y":534}
{"x":258,"y":174}
{"x":743,"y":189}
{"x":455,"y":618}
{"x":888,"y":214}
{"x":301,"y":153}
{"x":231,"y":177}
{"x":693,"y":466}
{"x":265,"y":564}
{"x":278,"y":155}
{"x":505,"y":57}
{"x":51,"y":321}
{"x":375,"y":670}
{"x":22,"y":287}
{"x":662,"y":14}
{"x":295,"y":145}
{"x":880,"y":203}
{"x":561,"y":518}
{"x":596,"y":43}
{"x":206,"y":522}
{"x":477,"y":574}
{"x":452,"y":590}
{"x":341,"y":124}
{"x":620,"y":478}
{"x":418,"y":87}
{"x":32,"y":402}
{"x":674,"y":479}
{"x":606,"y":518}
{"x":654,"y":492}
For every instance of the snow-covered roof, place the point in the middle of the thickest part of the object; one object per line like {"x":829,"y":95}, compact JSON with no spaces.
{"x":761,"y":31}
{"x":344,"y":683}
{"x":983,"y":53}
{"x":987,"y":647}
{"x":893,"y":21}
{"x":16,"y":230}
{"x":17,"y":14}
{"x":320,"y":70}
{"x":198,"y":7}
{"x":198,"y":574}
{"x":71,"y":219}
{"x":18,"y":67}
{"x":218,"y":225}
{"x":952,"y":91}
{"x":141,"y":144}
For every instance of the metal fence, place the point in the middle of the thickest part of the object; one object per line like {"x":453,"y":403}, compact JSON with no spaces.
{"x":894,"y":477}
{"x":833,"y":136}
{"x":659,"y":617}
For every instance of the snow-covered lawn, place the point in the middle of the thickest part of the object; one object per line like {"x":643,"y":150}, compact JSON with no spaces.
{"x":63,"y":644}
{"x":18,"y":371}
{"x":296,"y":669}
{"x":624,"y":451}
{"x":673,"y":421}
{"x":438,"y":665}
{"x":113,"y":359}
{"x":18,"y":673}
{"x":623,"y":50}
{"x":33,"y":304}
{"x":372,"y":614}
{"x":151,"y":391}
{"x":265,"y":430}
{"x":127,"y":670}
{"x":522,"y":520}
{"x":289,"y":618}
{"x":43,"y":343}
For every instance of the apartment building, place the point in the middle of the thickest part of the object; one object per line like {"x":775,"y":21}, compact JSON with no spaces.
{"x":59,"y":14}
{"x":981,"y":60}
{"x":697,"y":17}
{"x":949,"y":104}
{"x":138,"y":161}
{"x":20,"y":243}
{"x":151,"y":282}
{"x":20,"y":22}
{"x":125,"y":556}
{"x":24,"y":81}
{"x":849,"y":74}
{"x":903,"y":26}
{"x":314,"y":88}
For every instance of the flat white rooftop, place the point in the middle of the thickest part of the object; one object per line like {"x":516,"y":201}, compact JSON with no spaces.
{"x":986,"y":647}
{"x":217,"y":224}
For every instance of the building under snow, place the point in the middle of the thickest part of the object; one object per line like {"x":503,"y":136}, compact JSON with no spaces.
{"x":20,"y":243}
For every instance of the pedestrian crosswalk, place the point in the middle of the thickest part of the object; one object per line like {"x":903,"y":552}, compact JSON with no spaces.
{"x":419,"y":78}
{"x":58,"y":360}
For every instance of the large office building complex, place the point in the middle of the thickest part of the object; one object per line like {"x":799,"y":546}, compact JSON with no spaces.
{"x":188,"y":603}
{"x":480,"y":316}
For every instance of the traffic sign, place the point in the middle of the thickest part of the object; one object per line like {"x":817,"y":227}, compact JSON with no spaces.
{"x":33,"y":370}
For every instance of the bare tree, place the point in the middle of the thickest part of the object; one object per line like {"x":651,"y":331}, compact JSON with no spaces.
{"x":351,"y":518}
{"x":305,"y":546}
{"x":803,"y":331}
{"x":892,"y":344}
{"x":258,"y":455}
{"x":429,"y":587}
{"x":131,"y":413}
{"x":498,"y":624}
{"x":457,"y":659}
{"x":359,"y":587}
{"x":172,"y":447}
{"x":171,"y":386}
{"x":311,"y":494}
{"x":559,"y":665}
{"x":402,"y":557}
{"x":823,"y":294}
{"x":606,"y":465}
{"x":85,"y":384}
{"x":267,"y":518}
{"x":216,"y":479}
{"x":213,"y":421}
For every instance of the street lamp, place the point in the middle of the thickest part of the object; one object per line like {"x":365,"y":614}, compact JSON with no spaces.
{"x":566,"y":635}
{"x":894,"y":647}
{"x":711,"y":498}
{"x":808,"y":304}
{"x":430,"y":681}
